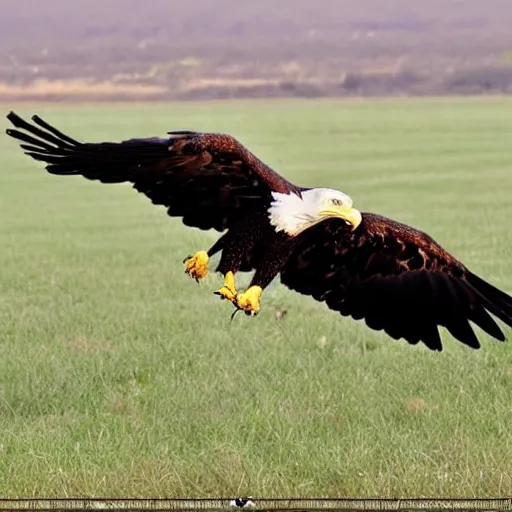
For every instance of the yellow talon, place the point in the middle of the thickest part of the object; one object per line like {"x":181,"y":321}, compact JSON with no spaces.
{"x":249,"y":301}
{"x":197,"y":265}
{"x":228,"y":291}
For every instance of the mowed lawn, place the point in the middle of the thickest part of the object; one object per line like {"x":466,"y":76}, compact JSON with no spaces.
{"x":120,"y":376}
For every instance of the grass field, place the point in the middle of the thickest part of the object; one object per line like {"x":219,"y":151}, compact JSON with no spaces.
{"x":120,"y":376}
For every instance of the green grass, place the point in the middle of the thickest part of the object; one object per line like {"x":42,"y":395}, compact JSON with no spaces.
{"x":121,"y":376}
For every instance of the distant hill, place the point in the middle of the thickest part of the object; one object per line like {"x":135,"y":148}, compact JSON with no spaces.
{"x":223,"y":48}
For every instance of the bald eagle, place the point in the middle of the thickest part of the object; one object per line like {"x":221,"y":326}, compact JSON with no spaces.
{"x":363,"y":265}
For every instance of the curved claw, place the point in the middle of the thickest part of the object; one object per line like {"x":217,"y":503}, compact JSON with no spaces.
{"x":234,"y":313}
{"x":249,"y":301}
{"x":197,"y":266}
{"x":228,"y":291}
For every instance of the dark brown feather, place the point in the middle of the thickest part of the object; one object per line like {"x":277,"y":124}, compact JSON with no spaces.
{"x":208,"y":179}
{"x":398,"y":279}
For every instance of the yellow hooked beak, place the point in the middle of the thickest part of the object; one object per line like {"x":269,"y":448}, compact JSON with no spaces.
{"x":350,"y":215}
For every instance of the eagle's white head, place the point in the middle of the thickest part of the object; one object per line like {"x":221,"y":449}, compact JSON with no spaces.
{"x":293,"y":214}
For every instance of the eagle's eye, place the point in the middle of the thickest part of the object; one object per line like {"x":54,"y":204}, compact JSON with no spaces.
{"x":337,"y":202}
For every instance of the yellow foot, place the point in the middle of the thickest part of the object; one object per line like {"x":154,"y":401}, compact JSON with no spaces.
{"x":197,"y":266}
{"x":249,"y":301}
{"x":228,"y":291}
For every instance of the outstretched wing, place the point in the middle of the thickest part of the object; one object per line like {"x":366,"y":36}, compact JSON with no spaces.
{"x":398,"y":279}
{"x":208,"y":179}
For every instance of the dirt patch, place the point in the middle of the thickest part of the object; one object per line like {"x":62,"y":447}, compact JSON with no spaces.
{"x":418,"y":404}
{"x":89,"y":346}
{"x":79,"y":89}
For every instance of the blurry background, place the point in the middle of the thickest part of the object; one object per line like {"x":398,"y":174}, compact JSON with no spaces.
{"x":172,"y":49}
{"x":120,"y":376}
